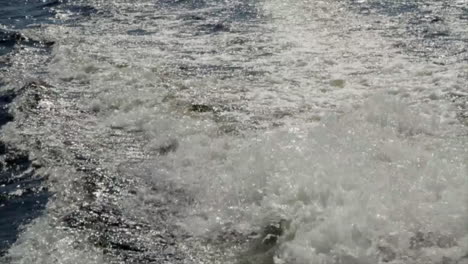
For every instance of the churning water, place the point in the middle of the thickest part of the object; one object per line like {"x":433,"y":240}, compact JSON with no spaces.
{"x":245,"y":132}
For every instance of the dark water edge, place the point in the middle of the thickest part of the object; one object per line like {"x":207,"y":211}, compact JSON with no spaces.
{"x":22,"y":196}
{"x":17,"y":15}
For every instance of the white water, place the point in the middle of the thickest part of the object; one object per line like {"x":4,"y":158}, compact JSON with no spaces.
{"x":318,"y":120}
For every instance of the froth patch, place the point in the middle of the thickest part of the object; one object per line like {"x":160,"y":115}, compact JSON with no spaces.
{"x":361,"y":187}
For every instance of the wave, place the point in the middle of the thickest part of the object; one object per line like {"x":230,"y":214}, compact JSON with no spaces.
{"x":243,"y":132}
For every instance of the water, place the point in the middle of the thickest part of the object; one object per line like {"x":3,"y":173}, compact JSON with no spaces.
{"x":245,"y":132}
{"x":22,"y":196}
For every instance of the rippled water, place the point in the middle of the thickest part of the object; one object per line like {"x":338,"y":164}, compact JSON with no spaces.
{"x":245,"y":132}
{"x":22,"y":197}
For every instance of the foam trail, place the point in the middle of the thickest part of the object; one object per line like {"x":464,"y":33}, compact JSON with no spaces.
{"x":254,"y":132}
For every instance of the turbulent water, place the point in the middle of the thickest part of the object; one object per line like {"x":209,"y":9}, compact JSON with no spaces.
{"x":244,"y":132}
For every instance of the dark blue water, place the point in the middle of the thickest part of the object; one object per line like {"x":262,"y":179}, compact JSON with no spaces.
{"x":17,"y":15}
{"x":22,"y":197}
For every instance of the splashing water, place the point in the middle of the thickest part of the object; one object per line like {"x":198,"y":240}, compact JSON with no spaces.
{"x":263,"y":132}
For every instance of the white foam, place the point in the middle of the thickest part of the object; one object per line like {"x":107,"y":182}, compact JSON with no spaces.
{"x":357,"y":178}
{"x":44,"y":243}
